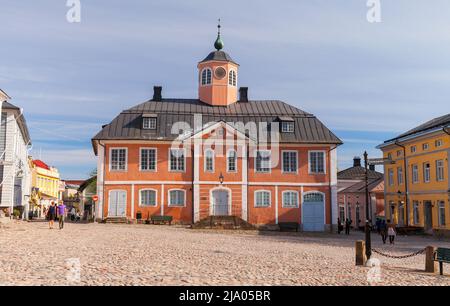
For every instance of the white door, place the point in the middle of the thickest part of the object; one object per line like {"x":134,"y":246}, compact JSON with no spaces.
{"x":220,"y":202}
{"x":313,"y":212}
{"x":117,"y":203}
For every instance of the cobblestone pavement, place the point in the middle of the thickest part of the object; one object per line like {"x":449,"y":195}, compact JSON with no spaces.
{"x":31,"y":254}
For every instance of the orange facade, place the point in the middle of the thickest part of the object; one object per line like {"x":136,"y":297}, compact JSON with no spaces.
{"x":241,"y":187}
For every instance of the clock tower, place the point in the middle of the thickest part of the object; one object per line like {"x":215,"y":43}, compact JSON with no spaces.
{"x":218,"y":75}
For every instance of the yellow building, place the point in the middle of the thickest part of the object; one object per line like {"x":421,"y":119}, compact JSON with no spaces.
{"x":419,"y":196}
{"x":45,"y":185}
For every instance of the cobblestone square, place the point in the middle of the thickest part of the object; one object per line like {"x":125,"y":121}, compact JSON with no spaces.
{"x":104,"y":254}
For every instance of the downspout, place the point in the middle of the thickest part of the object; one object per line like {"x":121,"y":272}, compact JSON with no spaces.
{"x":406,"y":180}
{"x":193,"y":178}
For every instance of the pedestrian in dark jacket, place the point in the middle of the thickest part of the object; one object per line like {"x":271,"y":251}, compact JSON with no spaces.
{"x":383,"y":231}
{"x":340,"y":226}
{"x":348,"y":223}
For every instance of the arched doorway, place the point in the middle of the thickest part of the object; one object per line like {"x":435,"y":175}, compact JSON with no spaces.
{"x":220,"y":202}
{"x":313,"y":212}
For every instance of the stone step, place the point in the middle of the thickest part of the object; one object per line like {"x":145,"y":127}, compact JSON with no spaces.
{"x":223,"y":222}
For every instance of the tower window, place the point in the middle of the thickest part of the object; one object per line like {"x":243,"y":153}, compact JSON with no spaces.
{"x":206,"y":76}
{"x":232,"y":78}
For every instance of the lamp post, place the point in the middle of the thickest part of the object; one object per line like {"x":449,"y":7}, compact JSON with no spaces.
{"x":221,"y":178}
{"x":367,"y":227}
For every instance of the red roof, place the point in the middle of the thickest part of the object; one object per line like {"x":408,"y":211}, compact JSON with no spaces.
{"x":41,"y":164}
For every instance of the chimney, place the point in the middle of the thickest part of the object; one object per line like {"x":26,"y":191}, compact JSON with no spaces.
{"x":357,"y":161}
{"x":372,"y":167}
{"x":243,"y":94}
{"x":157,"y":93}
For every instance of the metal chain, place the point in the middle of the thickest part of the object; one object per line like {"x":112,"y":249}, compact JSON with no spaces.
{"x":400,"y":256}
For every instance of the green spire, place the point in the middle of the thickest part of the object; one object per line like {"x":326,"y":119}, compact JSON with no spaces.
{"x":219,"y":43}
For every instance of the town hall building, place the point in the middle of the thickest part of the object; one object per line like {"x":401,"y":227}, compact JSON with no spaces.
{"x":220,"y":154}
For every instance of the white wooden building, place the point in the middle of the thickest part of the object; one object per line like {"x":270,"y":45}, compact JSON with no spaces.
{"x":15,"y":174}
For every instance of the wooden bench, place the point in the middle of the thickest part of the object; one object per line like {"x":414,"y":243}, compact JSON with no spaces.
{"x":442,"y":255}
{"x":288,"y":226}
{"x":161,"y":219}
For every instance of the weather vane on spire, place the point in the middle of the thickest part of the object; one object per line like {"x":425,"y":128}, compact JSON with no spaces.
{"x":219,"y":43}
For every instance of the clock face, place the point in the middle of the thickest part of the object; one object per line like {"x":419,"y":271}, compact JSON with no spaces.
{"x":220,"y":72}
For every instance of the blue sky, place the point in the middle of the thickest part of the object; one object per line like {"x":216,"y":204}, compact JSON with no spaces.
{"x":365,"y":81}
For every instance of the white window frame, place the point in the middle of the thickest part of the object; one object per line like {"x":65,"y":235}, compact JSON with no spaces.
{"x":205,"y":161}
{"x":156,"y":159}
{"x":440,"y":176}
{"x":400,"y":175}
{"x":438,"y":143}
{"x":296,"y":161}
{"x":170,"y":200}
{"x":149,"y":120}
{"x":415,"y":174}
{"x":290,"y":191}
{"x":324,"y":162}
{"x":140,"y":197}
{"x":413,"y":149}
{"x":425,"y":146}
{"x":232,"y":76}
{"x":110,"y":159}
{"x":441,"y":206}
{"x":256,"y":202}
{"x":425,"y":179}
{"x":235,"y":161}
{"x":416,"y":212}
{"x":270,"y":162}
{"x":184,"y":162}
{"x":206,"y":79}
{"x":285,"y":124}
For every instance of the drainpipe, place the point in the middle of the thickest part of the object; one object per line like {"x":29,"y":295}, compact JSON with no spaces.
{"x":193,"y":178}
{"x":103,"y":179}
{"x":406,"y":180}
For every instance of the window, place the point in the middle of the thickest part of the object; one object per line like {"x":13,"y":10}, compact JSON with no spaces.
{"x":441,"y":213}
{"x":392,"y":211}
{"x":426,"y":172}
{"x":341,"y":213}
{"x":232,"y":78}
{"x":209,"y":160}
{"x":290,"y":161}
{"x":177,"y":159}
{"x":413,"y":149}
{"x":177,"y":198}
{"x":389,"y":156}
{"x":231,"y":161}
{"x":415,"y":174}
{"x":401,"y":213}
{"x":290,"y":199}
{"x":349,"y":212}
{"x":263,"y":161}
{"x":400,"y":175}
{"x":313,"y":197}
{"x":118,"y":159}
{"x":317,"y":162}
{"x":262,"y":198}
{"x":416,"y":214}
{"x":148,"y":159}
{"x":391,"y":177}
{"x":147,"y":197}
{"x":358,"y":215}
{"x":425,"y":146}
{"x":206,"y":76}
{"x":438,"y":143}
{"x":287,"y":127}
{"x":440,"y":170}
{"x":149,"y":123}
{"x":399,"y":153}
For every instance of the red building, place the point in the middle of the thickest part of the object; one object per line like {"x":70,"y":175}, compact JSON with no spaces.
{"x":218,"y":155}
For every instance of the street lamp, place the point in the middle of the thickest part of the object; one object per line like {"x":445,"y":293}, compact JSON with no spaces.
{"x":367,"y":227}
{"x":221,"y":178}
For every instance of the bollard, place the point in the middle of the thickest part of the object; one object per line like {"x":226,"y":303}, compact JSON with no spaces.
{"x":360,"y":249}
{"x":431,"y":266}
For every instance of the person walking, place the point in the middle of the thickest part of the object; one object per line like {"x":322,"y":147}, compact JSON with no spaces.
{"x":348,"y":223}
{"x":61,"y":214}
{"x":391,"y":233}
{"x":51,"y":213}
{"x":383,"y":230}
